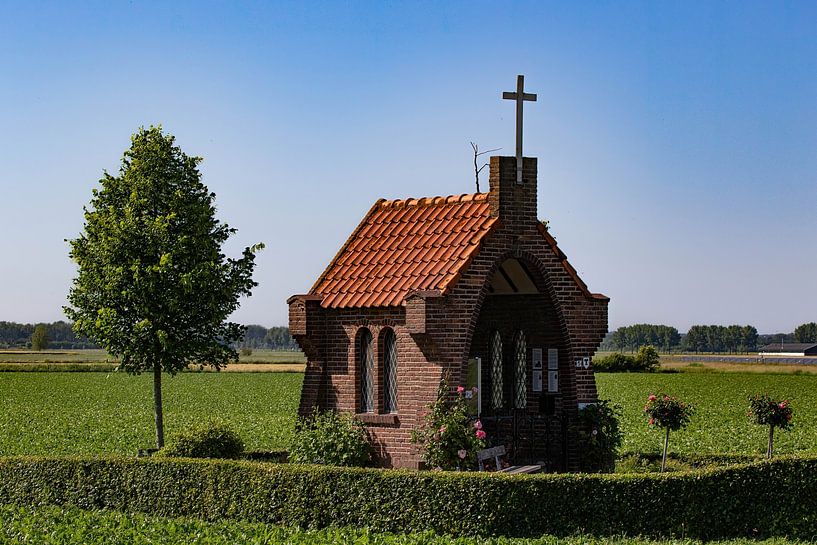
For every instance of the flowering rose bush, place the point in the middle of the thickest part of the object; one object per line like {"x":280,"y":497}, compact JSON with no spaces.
{"x":449,"y":437}
{"x":765,"y":411}
{"x":670,"y":413}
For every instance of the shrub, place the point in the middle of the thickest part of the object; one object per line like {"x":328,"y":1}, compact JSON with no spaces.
{"x":646,"y":360}
{"x":614,"y":363}
{"x":332,"y":438}
{"x":765,"y":411}
{"x":765,"y":499}
{"x":450,"y":438}
{"x":246,"y":351}
{"x":213,"y":439}
{"x":669,"y":413}
{"x":599,"y":436}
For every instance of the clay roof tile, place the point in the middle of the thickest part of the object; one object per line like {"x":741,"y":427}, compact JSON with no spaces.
{"x":405,"y":245}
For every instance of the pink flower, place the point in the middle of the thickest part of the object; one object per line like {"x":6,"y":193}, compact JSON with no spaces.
{"x":652,"y":421}
{"x":481,"y":434}
{"x":442,"y":429}
{"x":462,"y":453}
{"x":652,"y":397}
{"x":478,"y":424}
{"x":460,"y":389}
{"x":782,"y":405}
{"x":475,"y":389}
{"x":666,"y":398}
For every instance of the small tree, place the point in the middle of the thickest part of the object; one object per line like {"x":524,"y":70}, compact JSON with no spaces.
{"x":765,"y":411}
{"x":39,"y":339}
{"x":669,"y":413}
{"x":153,"y":286}
{"x":647,"y":358}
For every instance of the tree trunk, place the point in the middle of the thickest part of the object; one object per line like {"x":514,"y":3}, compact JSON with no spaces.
{"x":664,"y":457}
{"x":770,"y":448}
{"x":157,"y":406}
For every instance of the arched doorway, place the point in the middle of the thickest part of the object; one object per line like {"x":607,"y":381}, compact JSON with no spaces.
{"x":521,"y":343}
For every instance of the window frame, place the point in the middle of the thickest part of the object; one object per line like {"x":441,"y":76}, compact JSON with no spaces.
{"x":366,"y":367}
{"x":390,"y":362}
{"x":520,"y":370}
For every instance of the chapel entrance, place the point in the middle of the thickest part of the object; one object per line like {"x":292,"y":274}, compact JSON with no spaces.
{"x":519,"y":342}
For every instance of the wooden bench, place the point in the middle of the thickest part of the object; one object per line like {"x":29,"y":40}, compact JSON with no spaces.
{"x":497,"y":453}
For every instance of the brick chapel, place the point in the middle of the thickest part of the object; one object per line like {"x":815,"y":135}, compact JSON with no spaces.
{"x":472,"y":288}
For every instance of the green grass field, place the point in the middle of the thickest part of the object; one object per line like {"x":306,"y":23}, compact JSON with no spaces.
{"x":720,"y":424}
{"x":95,"y":413}
{"x":69,"y":526}
{"x":92,"y":413}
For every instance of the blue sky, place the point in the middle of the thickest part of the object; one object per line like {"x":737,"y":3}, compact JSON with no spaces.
{"x":676,"y":141}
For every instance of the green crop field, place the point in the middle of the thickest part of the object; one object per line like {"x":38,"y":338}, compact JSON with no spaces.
{"x":70,"y":526}
{"x":720,"y":424}
{"x":92,"y":413}
{"x":100,"y":356}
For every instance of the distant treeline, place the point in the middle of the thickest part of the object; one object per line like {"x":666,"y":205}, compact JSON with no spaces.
{"x":718,"y":338}
{"x":702,"y":338}
{"x":275,"y":338}
{"x":61,"y":336}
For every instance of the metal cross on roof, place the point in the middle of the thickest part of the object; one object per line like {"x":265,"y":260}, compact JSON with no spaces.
{"x":519,"y":96}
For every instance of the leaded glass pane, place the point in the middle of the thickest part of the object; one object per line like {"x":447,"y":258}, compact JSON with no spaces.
{"x":495,"y":349}
{"x":521,"y":374}
{"x":390,"y":372}
{"x":366,"y":361}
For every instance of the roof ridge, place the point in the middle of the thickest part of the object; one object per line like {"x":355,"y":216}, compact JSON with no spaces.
{"x":431,"y":201}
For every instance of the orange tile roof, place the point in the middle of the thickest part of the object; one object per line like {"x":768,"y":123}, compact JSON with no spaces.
{"x":405,"y":245}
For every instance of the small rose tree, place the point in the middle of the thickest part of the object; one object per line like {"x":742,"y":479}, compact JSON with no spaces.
{"x":450,"y":438}
{"x":670,"y":413}
{"x":765,"y":411}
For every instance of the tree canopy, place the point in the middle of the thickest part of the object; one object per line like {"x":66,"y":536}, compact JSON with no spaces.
{"x":635,"y":336}
{"x":153,"y":286}
{"x":806,"y":333}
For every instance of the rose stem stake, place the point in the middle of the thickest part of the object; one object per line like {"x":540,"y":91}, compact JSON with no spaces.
{"x":666,"y":446}
{"x":770,"y":448}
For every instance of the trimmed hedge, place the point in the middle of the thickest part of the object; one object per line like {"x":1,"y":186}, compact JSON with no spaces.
{"x":775,"y":498}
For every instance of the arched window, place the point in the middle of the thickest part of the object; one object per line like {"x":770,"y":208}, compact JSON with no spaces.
{"x":495,"y":355}
{"x":365,"y":358}
{"x":520,"y":351}
{"x":389,"y":372}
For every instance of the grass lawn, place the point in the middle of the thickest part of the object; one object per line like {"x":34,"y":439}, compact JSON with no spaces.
{"x":69,"y":526}
{"x":92,"y":413}
{"x":720,"y":424}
